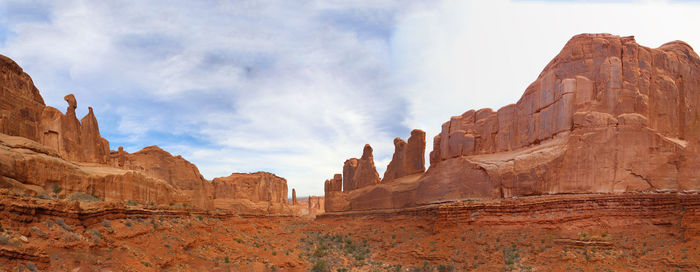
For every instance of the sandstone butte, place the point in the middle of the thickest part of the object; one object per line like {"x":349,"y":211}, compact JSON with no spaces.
{"x":45,"y":152}
{"x":606,"y":115}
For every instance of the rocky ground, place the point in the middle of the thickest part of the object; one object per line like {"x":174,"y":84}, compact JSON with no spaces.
{"x":61,"y":235}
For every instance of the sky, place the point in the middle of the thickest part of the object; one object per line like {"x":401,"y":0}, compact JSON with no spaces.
{"x":297,"y":87}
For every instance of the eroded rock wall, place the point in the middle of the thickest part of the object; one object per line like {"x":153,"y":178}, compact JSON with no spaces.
{"x":606,"y":115}
{"x":55,"y":151}
{"x":23,"y":113}
{"x":174,"y":170}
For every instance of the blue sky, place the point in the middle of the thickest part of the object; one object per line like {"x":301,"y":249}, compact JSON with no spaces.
{"x":297,"y":87}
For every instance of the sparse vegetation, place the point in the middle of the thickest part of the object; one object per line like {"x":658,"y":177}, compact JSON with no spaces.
{"x":96,"y":235}
{"x":63,"y":225}
{"x":56,"y":188}
{"x":83,"y":197}
{"x":38,"y":231}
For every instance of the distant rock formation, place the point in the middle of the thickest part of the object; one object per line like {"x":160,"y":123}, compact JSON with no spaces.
{"x":256,"y":187}
{"x":175,"y":170}
{"x":360,"y":173}
{"x":335,"y":184}
{"x":294,"y":196}
{"x":409,"y":158}
{"x":606,"y":115}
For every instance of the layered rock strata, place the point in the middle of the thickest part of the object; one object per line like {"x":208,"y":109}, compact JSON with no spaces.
{"x":174,"y":170}
{"x":45,"y":152}
{"x":245,"y":191}
{"x":23,"y":113}
{"x":606,"y":115}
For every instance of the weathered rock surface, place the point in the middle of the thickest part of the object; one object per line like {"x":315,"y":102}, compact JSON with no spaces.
{"x":409,"y":158}
{"x":606,"y":115}
{"x":55,"y":153}
{"x":174,"y":170}
{"x":349,"y":168}
{"x":21,"y":104}
{"x":23,"y":113}
{"x":259,"y":187}
{"x":360,"y":173}
{"x":35,"y":169}
{"x":335,"y":184}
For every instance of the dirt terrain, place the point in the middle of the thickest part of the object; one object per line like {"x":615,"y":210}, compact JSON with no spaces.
{"x":626,"y":232}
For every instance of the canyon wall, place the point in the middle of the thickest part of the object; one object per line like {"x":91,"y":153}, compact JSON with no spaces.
{"x":606,"y":115}
{"x":45,"y":152}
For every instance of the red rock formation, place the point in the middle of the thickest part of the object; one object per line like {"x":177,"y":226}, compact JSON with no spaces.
{"x":606,"y":115}
{"x":174,"y":170}
{"x":93,"y":146}
{"x":39,"y":170}
{"x":21,"y":104}
{"x":360,"y":173}
{"x":256,"y":187}
{"x":23,"y":113}
{"x":74,"y":140}
{"x":55,"y":150}
{"x":349,"y":168}
{"x":294,"y":196}
{"x":335,"y":184}
{"x":408,"y":158}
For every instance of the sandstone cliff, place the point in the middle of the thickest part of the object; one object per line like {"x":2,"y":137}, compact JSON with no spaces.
{"x":23,"y":113}
{"x":43,"y":152}
{"x":239,"y":190}
{"x":605,"y":115}
{"x":174,"y":170}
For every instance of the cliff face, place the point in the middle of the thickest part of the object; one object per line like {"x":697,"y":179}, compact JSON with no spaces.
{"x":30,"y":168}
{"x":23,"y":113}
{"x":605,"y":115}
{"x":22,"y":105}
{"x":174,"y":170}
{"x":43,"y":151}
